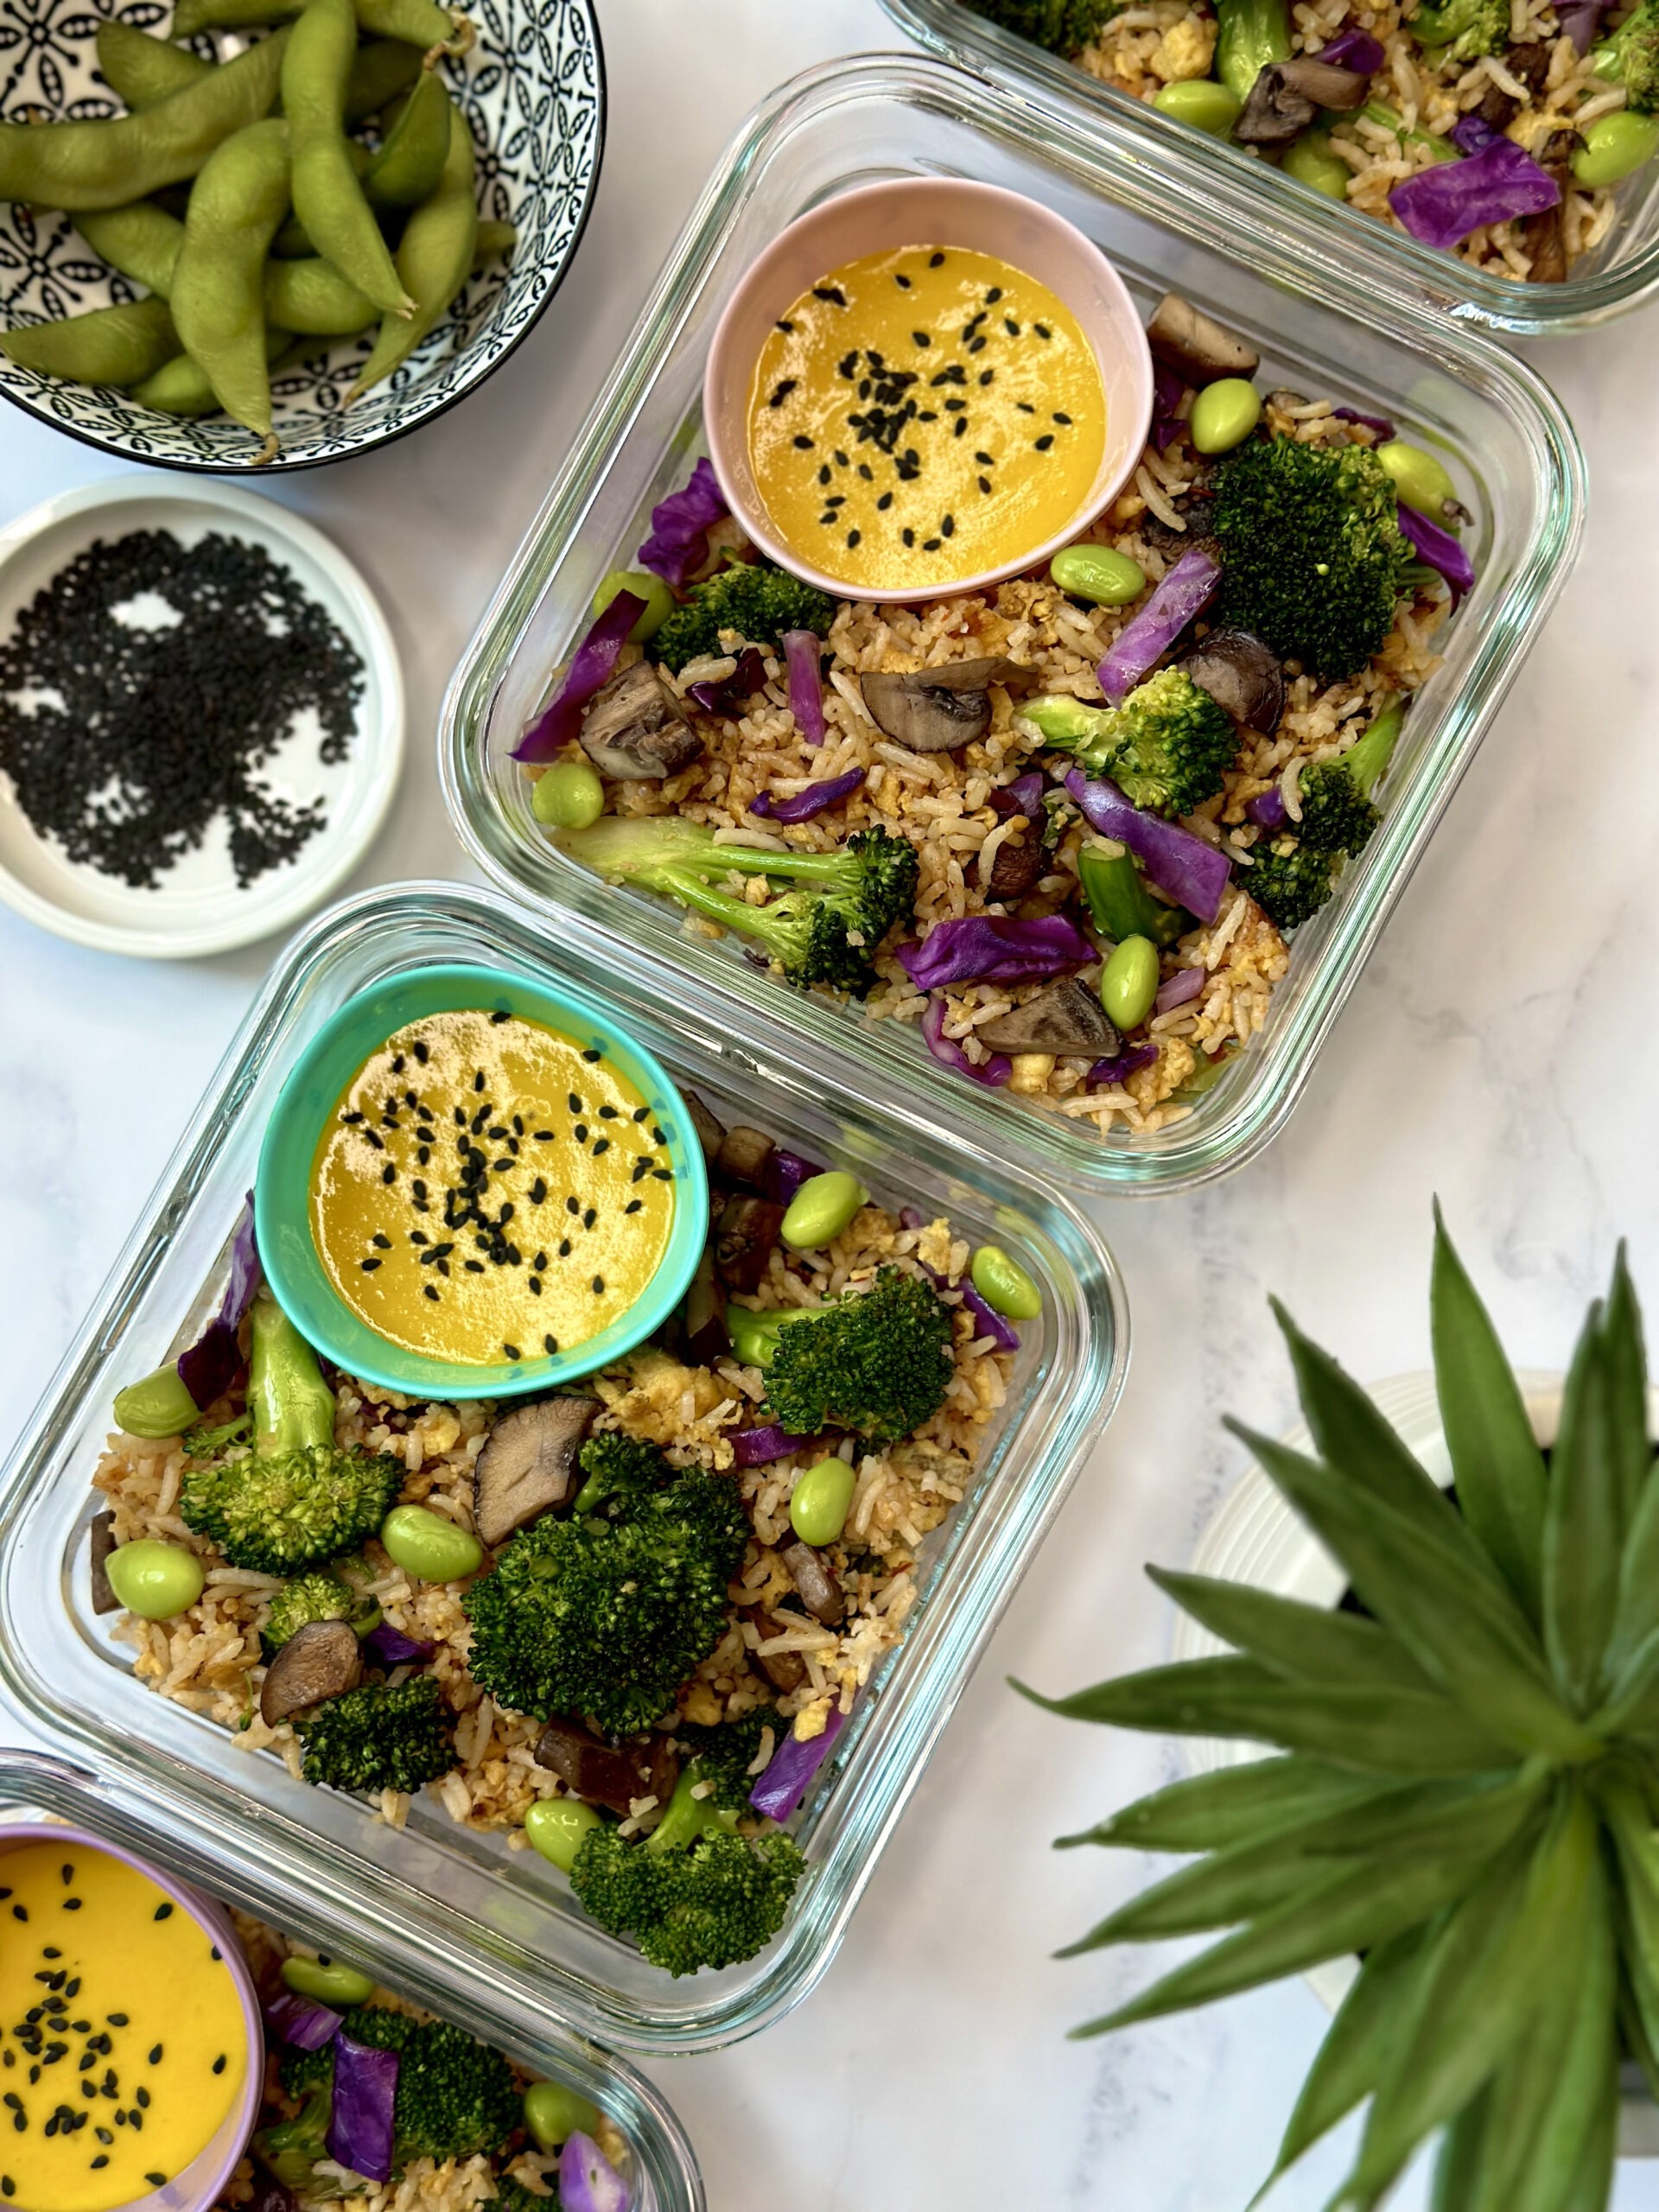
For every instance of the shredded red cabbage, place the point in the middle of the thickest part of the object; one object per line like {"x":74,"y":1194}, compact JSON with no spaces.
{"x":758,"y":1447}
{"x":1471,"y":132}
{"x":1355,"y":49}
{"x":1023,"y":796}
{"x":1167,"y":391}
{"x":1267,"y":809}
{"x":801,"y":649}
{"x":1126,"y":1064}
{"x":1438,"y":547}
{"x":1001,"y":1331}
{"x":679,"y":527}
{"x":592,"y":667}
{"x":791,"y":1769}
{"x":1380,"y":423}
{"x":1440,"y":205}
{"x":813,"y":800}
{"x":745,"y":680}
{"x":588,"y":2180}
{"x":1186,"y":983}
{"x":1580,"y":21}
{"x":301,"y":2021}
{"x":359,"y":2127}
{"x":1182,"y":867}
{"x":1185,"y":592}
{"x":992,"y":949}
{"x":786,"y":1171}
{"x":209,"y":1366}
{"x":393,"y":1649}
{"x":993,"y":1073}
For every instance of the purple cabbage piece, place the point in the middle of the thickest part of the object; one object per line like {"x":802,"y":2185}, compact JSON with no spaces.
{"x":785,"y":1173}
{"x":813,"y":800}
{"x":1438,"y":547}
{"x":993,"y":1073}
{"x":801,"y":649}
{"x":1001,"y":1331}
{"x":1182,"y":867}
{"x":1472,"y":133}
{"x":1186,"y":983}
{"x":733,"y":690}
{"x":1441,"y":205}
{"x":1267,"y":809}
{"x":592,"y":667}
{"x":301,"y":2021}
{"x":912,"y":1217}
{"x":209,"y":1368}
{"x":791,"y":1769}
{"x":391,"y":1648}
{"x":359,"y":2127}
{"x":1185,"y":592}
{"x":588,"y":2180}
{"x":1166,"y":393}
{"x":1023,"y":796}
{"x":758,"y":1447}
{"x":1125,"y":1065}
{"x":992,"y":949}
{"x":1580,"y":21}
{"x":1380,"y":423}
{"x":1355,"y":49}
{"x":679,"y":527}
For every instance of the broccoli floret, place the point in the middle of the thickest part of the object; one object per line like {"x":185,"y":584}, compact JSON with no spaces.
{"x":1337,"y":815}
{"x":759,"y":601}
{"x":1166,"y":746}
{"x":1312,"y":553}
{"x":455,"y":2096}
{"x":875,"y":1361}
{"x":1290,"y":887}
{"x":380,"y":1737}
{"x":1630,"y":57}
{"x":1250,"y":34}
{"x":606,"y":1612}
{"x":319,"y":1596}
{"x":1062,"y":27}
{"x":299,"y":1498}
{"x":827,"y":933}
{"x":1462,"y":30}
{"x":722,"y":1756}
{"x":293,"y":2148}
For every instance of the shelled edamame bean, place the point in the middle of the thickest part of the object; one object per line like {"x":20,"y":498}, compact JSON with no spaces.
{"x":1099,"y":574}
{"x":426,"y":1544}
{"x":569,"y":795}
{"x":157,"y":1581}
{"x":1004,"y":1285}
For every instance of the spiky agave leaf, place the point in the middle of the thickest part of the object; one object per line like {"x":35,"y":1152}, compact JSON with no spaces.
{"x":1468,"y":1788}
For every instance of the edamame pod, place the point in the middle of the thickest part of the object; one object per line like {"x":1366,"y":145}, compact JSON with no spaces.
{"x":328,"y":196}
{"x":1202,"y":103}
{"x":494,"y":242}
{"x":420,"y":22}
{"x":312,"y":298}
{"x":1614,"y":146}
{"x":141,"y":241}
{"x":193,"y":15}
{"x":181,"y":386}
{"x":218,"y":281}
{"x":434,"y":259}
{"x":119,"y":346}
{"x":379,"y":72}
{"x":408,"y":167}
{"x":140,"y":68}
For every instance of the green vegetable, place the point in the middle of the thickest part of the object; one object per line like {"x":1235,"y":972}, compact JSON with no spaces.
{"x":159,"y":1406}
{"x":1310,"y":161}
{"x":320,"y":1596}
{"x":1120,"y":904}
{"x":300,"y":1497}
{"x":1290,"y":886}
{"x":758,"y":601}
{"x":435,"y":255}
{"x":379,"y":1738}
{"x":140,"y":68}
{"x":877,"y":1362}
{"x":821,"y":1500}
{"x":1420,"y":478}
{"x":821,"y":1209}
{"x":1252,"y":34}
{"x":409,"y":163}
{"x":456,"y":2097}
{"x":1201,"y":102}
{"x":157,"y":1581}
{"x":1337,"y":815}
{"x":1224,"y":415}
{"x":1630,"y":58}
{"x":430,"y":1545}
{"x":1063,"y":27}
{"x":1128,"y":983}
{"x":218,"y":295}
{"x":1004,"y":1285}
{"x":328,"y":195}
{"x":1099,"y":574}
{"x":555,"y":1827}
{"x":118,"y":346}
{"x":659,"y":599}
{"x":553,"y":2111}
{"x":327,"y":1981}
{"x":568,"y":796}
{"x":1614,"y":147}
{"x":1461,"y":30}
{"x":1165,"y":746}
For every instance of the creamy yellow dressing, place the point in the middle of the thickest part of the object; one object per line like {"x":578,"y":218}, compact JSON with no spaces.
{"x":924,"y":415}
{"x":487,"y":1188}
{"x":109,"y":1967}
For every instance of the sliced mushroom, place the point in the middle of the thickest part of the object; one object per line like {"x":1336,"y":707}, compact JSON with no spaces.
{"x":1241,"y":675}
{"x":815,"y":1585}
{"x":743,"y":1156}
{"x":529,"y":1466}
{"x":100,"y":1544}
{"x":1016,"y":865}
{"x":746,"y":1237}
{"x":1287,"y":95}
{"x":936,"y":709}
{"x":1496,"y":106}
{"x":1530,"y":62}
{"x":590,"y":1768}
{"x":635,"y":730}
{"x":662,"y":1764}
{"x":711,"y":1130}
{"x":319,"y":1660}
{"x":1067,"y":1018}
{"x":1198,"y":516}
{"x":703,"y":1316}
{"x":784,"y":1670}
{"x":1197,"y":347}
{"x":1542,"y":237}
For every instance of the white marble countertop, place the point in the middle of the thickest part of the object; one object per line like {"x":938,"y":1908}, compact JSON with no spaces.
{"x":1483,"y":1056}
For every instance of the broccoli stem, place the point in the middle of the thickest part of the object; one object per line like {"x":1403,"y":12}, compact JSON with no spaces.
{"x":754,"y":1336}
{"x":687,"y":1818}
{"x":1375,"y":111}
{"x":1367,"y":759}
{"x":1252,"y":34}
{"x":1072,"y":726}
{"x":292,"y":1408}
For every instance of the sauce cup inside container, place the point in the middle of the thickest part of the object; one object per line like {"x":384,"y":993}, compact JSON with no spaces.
{"x":120,"y":1963}
{"x":925,"y":386}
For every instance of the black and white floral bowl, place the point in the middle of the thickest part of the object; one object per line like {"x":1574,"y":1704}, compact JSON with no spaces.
{"x":532,"y":88}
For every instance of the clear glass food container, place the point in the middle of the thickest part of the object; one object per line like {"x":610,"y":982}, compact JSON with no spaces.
{"x":663,"y":2174}
{"x":493,"y":1934}
{"x":1323,"y":329}
{"x":1614,"y":276}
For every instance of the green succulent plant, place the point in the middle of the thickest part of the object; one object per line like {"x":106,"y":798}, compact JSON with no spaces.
{"x":1470,"y":1779}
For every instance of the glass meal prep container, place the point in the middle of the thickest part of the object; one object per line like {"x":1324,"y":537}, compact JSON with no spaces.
{"x":494,"y":1934}
{"x":661,"y":2172}
{"x":1618,"y":274}
{"x":1322,"y":328}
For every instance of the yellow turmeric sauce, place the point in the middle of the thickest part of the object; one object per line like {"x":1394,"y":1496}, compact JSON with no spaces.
{"x":487,"y":1188}
{"x":122,"y":2044}
{"x":924,"y":415}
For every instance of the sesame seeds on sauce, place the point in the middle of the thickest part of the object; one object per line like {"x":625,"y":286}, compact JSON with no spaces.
{"x":923,"y":415}
{"x":470,"y":1191}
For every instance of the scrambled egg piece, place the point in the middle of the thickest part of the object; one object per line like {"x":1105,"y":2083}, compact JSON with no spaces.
{"x":1186,"y":50}
{"x":648,"y":1396}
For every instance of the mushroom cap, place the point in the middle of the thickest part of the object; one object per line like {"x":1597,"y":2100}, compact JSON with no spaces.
{"x":1067,"y":1019}
{"x":319,"y":1660}
{"x":1197,"y":347}
{"x":1243,"y":675}
{"x":635,"y":730}
{"x":529,"y":1466}
{"x":936,"y":709}
{"x":816,"y":1587}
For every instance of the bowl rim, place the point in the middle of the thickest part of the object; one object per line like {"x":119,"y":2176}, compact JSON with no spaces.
{"x":281,"y":1225}
{"x":719,"y":372}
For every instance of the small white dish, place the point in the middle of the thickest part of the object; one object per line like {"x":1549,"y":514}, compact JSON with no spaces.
{"x":197,"y":907}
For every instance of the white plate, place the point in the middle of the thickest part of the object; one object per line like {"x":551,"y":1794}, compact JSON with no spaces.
{"x":197,"y":907}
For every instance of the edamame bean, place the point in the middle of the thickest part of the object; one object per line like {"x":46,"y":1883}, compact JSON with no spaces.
{"x":155,"y":1580}
{"x":1200,"y":102}
{"x":1099,"y":574}
{"x":406,"y":169}
{"x":218,"y":279}
{"x":554,"y":2113}
{"x":433,"y":259}
{"x":1128,"y":983}
{"x":429,"y":1546}
{"x":327,"y":1981}
{"x":1614,"y":145}
{"x":140,"y":68}
{"x":1004,"y":1285}
{"x":1224,"y":415}
{"x":328,"y":198}
{"x":159,"y":1406}
{"x":1310,"y":161}
{"x":555,"y":1827}
{"x":659,"y":599}
{"x":821,"y":1209}
{"x":1419,"y":478}
{"x":569,"y":795}
{"x":119,"y":346}
{"x":821,"y":1500}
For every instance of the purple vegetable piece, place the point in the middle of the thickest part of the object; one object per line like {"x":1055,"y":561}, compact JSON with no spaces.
{"x":1380,"y":423}
{"x":994,"y":1073}
{"x":992,"y":949}
{"x":1126,"y":1064}
{"x":745,"y":680}
{"x":592,"y":667}
{"x":1190,"y":873}
{"x":1023,"y":796}
{"x":1438,"y":547}
{"x":1185,"y":592}
{"x":784,"y":1172}
{"x":360,"y":2127}
{"x":1003,"y":1332}
{"x":301,"y":2021}
{"x":208,"y":1367}
{"x":1267,"y":809}
{"x":1186,"y":983}
{"x":1580,"y":21}
{"x":758,"y":1447}
{"x":270,"y":2195}
{"x":1471,"y":132}
{"x":1441,"y":205}
{"x":679,"y":527}
{"x":1167,"y":392}
{"x":588,"y":2180}
{"x":791,"y":1769}
{"x":801,"y":649}
{"x":391,"y":1648}
{"x":1355,"y":49}
{"x":813,"y":800}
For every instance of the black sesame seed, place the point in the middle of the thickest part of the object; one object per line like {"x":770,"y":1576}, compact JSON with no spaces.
{"x":788,"y":328}
{"x":640,"y":1114}
{"x":1010,"y":326}
{"x":1043,"y":443}
{"x":156,"y":2180}
{"x":549,"y":1343}
{"x":581,"y":1132}
{"x":536,"y":1286}
{"x":921,"y":338}
{"x":369,"y":1266}
{"x":564,"y":1248}
{"x":960,"y":431}
{"x":19,"y":1912}
{"x":976,"y":345}
{"x":932,"y":545}
{"x":853,"y":537}
{"x":831,"y":295}
{"x":598,"y":1285}
{"x":884,"y":502}
{"x":421,"y":1051}
{"x":590,"y":1216}
{"x":217,"y":2066}
{"x":936,"y":261}
{"x":661,"y":1174}
{"x":384,"y":1243}
{"x":511,"y":1351}
{"x":388,"y":1174}
{"x":116,"y":2019}
{"x":902,"y":281}
{"x":573,"y":1205}
{"x":142,"y":2097}
{"x":155,"y":2055}
{"x":543,"y":1136}
{"x":432,"y":1292}
{"x":473,"y":1267}
{"x":600,"y":1144}
{"x":70,"y":1905}
{"x":801,"y":443}
{"x":1042,"y":330}
{"x":948,"y":526}
{"x":986,"y":375}
{"x":984,"y":483}
{"x":593,"y":1051}
{"x":909,"y":536}
{"x":633,"y":1206}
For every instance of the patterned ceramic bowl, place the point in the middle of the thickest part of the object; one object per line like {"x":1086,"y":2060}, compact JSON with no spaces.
{"x":533,"y":90}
